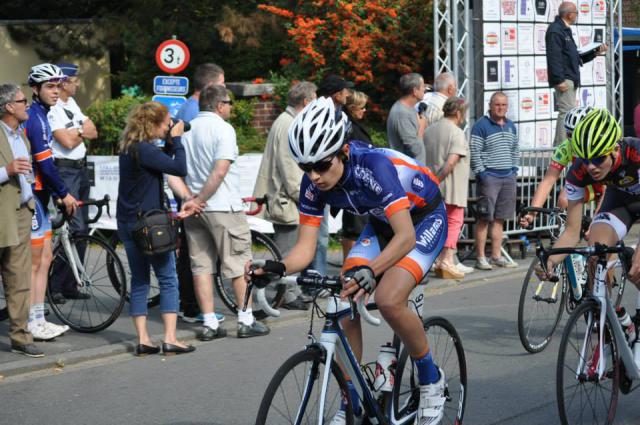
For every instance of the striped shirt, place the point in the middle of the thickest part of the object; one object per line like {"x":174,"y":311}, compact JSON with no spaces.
{"x":494,"y":147}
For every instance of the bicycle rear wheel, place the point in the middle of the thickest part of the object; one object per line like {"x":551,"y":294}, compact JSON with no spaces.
{"x":293,"y":395}
{"x":154,"y":288}
{"x":262,"y":248}
{"x":583,"y":396}
{"x":540,"y":308}
{"x":447,"y":352}
{"x":106,"y":289}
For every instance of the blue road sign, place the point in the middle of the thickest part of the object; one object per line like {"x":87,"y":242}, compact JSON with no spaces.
{"x":174,"y":86}
{"x":173,"y":103}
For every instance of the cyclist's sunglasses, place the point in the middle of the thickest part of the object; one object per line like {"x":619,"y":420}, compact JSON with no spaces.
{"x":318,"y":167}
{"x":595,"y":161}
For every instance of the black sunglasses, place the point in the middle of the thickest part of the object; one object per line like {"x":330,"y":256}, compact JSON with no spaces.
{"x":24,"y":101}
{"x":228,"y":102}
{"x":318,"y":167}
{"x":595,"y":161}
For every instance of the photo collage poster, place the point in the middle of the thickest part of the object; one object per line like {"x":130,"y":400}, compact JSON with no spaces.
{"x":514,"y":61}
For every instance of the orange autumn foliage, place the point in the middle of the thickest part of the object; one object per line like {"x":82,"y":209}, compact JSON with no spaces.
{"x":369,"y":42}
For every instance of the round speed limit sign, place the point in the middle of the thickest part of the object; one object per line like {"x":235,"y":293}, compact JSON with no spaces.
{"x":172,"y":56}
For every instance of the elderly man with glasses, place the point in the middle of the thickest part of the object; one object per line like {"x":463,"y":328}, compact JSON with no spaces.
{"x":16,"y":211}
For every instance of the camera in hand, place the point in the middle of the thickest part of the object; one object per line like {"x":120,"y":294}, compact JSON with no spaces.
{"x":421,"y":108}
{"x":187,"y":126}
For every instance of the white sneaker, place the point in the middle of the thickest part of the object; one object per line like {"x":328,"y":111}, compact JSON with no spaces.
{"x":483,"y":264}
{"x":464,"y":269}
{"x":56,"y":329}
{"x":41,"y":333}
{"x":432,"y":399}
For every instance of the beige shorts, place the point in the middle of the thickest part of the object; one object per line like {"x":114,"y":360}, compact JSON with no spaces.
{"x":218,"y":234}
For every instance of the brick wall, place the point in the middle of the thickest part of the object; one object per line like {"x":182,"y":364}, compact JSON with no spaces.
{"x":264,"y":114}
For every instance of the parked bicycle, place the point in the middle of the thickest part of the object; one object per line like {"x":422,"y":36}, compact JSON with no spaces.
{"x":542,"y":302}
{"x":310,"y":386}
{"x":595,"y":359}
{"x":97,"y":273}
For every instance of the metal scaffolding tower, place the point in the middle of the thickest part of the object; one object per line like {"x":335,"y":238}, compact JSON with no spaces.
{"x":452,"y":42}
{"x":615,"y":84}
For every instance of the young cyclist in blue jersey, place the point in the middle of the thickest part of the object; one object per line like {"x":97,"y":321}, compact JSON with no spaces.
{"x":44,"y":80}
{"x":405,"y":234}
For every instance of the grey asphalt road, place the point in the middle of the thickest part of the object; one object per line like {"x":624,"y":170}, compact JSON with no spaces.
{"x":223,"y":381}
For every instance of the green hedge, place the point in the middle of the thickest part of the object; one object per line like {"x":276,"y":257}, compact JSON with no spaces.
{"x":110,"y":118}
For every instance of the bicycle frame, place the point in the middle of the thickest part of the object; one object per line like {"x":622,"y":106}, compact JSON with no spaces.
{"x":72,"y":255}
{"x":607,"y":310}
{"x":333,"y":343}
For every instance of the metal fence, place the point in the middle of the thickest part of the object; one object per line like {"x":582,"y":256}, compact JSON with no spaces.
{"x":533,"y":165}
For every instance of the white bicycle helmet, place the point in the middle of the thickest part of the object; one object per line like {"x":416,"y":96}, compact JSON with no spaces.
{"x":574,"y":116}
{"x":45,"y":72}
{"x":316,"y":133}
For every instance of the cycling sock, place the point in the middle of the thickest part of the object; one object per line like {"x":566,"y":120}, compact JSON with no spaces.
{"x":355,"y":400}
{"x":245,"y":317}
{"x":211,"y":321}
{"x":427,"y":370}
{"x":39,"y":312}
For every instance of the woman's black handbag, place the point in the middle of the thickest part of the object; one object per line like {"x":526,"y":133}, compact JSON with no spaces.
{"x":155,"y":232}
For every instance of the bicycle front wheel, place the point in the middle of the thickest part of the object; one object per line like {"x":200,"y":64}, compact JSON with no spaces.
{"x":447,"y":353}
{"x":584,"y":395}
{"x":293,"y":395}
{"x":540,"y":308}
{"x":102,"y":288}
{"x":262,"y":248}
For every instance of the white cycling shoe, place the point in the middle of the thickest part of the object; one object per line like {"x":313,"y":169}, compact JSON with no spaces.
{"x":41,"y":332}
{"x":432,"y":399}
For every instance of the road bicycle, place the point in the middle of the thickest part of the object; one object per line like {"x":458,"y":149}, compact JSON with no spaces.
{"x":96,"y":271}
{"x":542,"y":302}
{"x":310,"y":386}
{"x":595,"y":360}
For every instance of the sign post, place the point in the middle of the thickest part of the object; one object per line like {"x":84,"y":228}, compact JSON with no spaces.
{"x":172,"y":56}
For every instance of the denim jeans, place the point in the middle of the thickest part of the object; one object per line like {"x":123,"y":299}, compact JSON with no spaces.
{"x":164,"y":266}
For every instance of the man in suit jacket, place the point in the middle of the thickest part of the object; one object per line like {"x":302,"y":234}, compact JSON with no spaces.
{"x":16,"y":211}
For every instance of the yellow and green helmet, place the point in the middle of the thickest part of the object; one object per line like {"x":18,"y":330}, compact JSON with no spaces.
{"x":597,"y":134}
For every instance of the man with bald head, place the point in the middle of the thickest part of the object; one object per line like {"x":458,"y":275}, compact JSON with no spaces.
{"x":563,"y":63}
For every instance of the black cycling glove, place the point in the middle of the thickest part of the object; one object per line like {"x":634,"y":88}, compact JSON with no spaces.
{"x":273,"y":270}
{"x":364,"y":277}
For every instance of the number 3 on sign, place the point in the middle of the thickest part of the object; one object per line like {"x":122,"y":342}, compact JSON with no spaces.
{"x":172,"y":56}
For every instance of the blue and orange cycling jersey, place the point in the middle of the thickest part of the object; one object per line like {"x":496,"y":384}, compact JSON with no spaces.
{"x":376,"y":181}
{"x":40,"y":137}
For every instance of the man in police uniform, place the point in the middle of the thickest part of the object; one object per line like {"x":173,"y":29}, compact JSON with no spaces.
{"x":70,"y":127}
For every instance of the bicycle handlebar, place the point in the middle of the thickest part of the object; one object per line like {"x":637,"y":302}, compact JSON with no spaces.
{"x":59,"y":220}
{"x":314,"y":281}
{"x":599,"y":250}
{"x":259,"y":201}
{"x":551,"y":211}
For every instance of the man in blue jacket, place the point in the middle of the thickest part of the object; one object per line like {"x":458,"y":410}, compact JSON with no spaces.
{"x":563,"y":63}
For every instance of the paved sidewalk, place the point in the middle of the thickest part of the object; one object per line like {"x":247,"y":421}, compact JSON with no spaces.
{"x":119,"y":338}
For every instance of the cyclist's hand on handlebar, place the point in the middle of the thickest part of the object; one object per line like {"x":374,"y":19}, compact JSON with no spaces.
{"x":262,"y":276}
{"x":358,"y":281}
{"x":542,"y":275}
{"x":527,"y":220}
{"x":634,"y":271}
{"x":70,"y":204}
